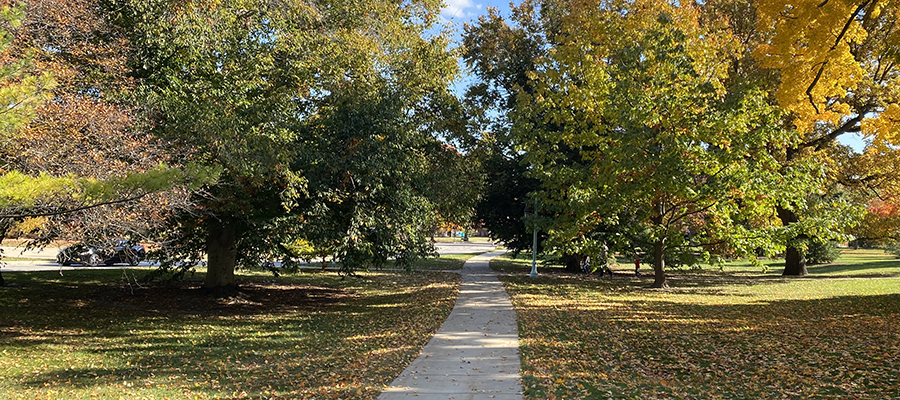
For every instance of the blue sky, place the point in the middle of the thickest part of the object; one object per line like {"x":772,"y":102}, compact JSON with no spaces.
{"x":458,"y":12}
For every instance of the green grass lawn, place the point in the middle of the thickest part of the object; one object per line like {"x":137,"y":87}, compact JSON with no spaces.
{"x":735,"y":334}
{"x":310,"y":335}
{"x":445,"y":262}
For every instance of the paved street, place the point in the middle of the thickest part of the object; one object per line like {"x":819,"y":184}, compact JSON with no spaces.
{"x":463,"y":248}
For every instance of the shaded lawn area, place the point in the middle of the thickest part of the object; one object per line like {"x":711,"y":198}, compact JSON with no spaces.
{"x":308,"y":335}
{"x":714,"y":335}
{"x":447,"y":262}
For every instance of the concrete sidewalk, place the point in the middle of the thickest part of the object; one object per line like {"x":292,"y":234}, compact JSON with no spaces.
{"x":475,"y":353}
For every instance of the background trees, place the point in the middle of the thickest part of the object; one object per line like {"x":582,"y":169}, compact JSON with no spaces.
{"x":642,"y":135}
{"x":500,"y":54}
{"x":80,"y":165}
{"x":711,"y":129}
{"x":714,"y":124}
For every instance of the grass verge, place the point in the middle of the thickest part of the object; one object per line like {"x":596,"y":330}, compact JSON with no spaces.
{"x":715,"y":335}
{"x":309,"y":335}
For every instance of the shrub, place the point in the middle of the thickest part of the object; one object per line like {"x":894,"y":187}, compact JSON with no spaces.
{"x":893,"y":248}
{"x":822,"y":252}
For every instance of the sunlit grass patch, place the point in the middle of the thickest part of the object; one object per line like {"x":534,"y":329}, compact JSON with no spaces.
{"x":851,"y":263}
{"x":727,"y":338}
{"x":309,"y":335}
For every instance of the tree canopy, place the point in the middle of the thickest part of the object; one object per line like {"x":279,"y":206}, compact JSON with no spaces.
{"x":325,"y":118}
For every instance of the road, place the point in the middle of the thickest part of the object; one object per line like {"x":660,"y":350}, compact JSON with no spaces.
{"x":45,"y":260}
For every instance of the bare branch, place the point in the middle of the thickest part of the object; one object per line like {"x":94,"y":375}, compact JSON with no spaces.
{"x":73,"y":210}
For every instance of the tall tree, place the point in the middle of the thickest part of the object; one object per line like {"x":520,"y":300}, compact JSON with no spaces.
{"x":22,"y":92}
{"x":500,"y":53}
{"x":837,"y":62}
{"x":323,"y":116}
{"x":642,"y":131}
{"x":91,"y":170}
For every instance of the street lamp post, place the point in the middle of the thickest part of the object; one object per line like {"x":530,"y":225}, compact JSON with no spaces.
{"x":534,"y":273}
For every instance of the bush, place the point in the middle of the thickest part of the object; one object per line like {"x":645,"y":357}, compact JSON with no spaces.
{"x":822,"y":252}
{"x":893,"y":248}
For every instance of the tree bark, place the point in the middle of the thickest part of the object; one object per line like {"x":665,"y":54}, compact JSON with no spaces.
{"x":659,"y":264}
{"x":794,"y":259}
{"x":5,"y":228}
{"x":221,"y":250}
{"x":794,"y":262}
{"x":574,"y":262}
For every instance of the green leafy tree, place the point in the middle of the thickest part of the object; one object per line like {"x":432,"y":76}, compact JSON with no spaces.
{"x":323,"y":116}
{"x":640,"y":132}
{"x":500,"y":54}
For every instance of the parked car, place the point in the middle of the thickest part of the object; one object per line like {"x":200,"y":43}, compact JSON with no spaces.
{"x":119,"y":251}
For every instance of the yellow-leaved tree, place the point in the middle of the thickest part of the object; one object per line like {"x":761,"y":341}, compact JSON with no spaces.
{"x":837,"y":65}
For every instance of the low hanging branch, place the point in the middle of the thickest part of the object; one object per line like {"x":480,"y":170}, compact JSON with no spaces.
{"x":64,"y":211}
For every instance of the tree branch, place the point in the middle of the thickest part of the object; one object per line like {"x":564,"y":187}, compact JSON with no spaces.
{"x":697,"y":211}
{"x":846,"y":127}
{"x":837,"y":41}
{"x":849,"y":21}
{"x":72,"y":210}
{"x":813,"y":84}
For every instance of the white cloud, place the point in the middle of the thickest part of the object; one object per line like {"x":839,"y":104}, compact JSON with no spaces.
{"x":457,"y":9}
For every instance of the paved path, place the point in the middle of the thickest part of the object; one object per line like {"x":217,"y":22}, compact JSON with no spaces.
{"x":475,"y":353}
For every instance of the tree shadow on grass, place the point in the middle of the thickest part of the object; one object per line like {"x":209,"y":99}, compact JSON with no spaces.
{"x":830,"y":347}
{"x":866,"y":269}
{"x":301,"y":339}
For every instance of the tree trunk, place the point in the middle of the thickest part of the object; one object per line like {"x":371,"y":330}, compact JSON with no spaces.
{"x":2,"y":237}
{"x":794,"y":259}
{"x":574,"y":262}
{"x":221,"y":250}
{"x":659,"y":264}
{"x":794,"y":262}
